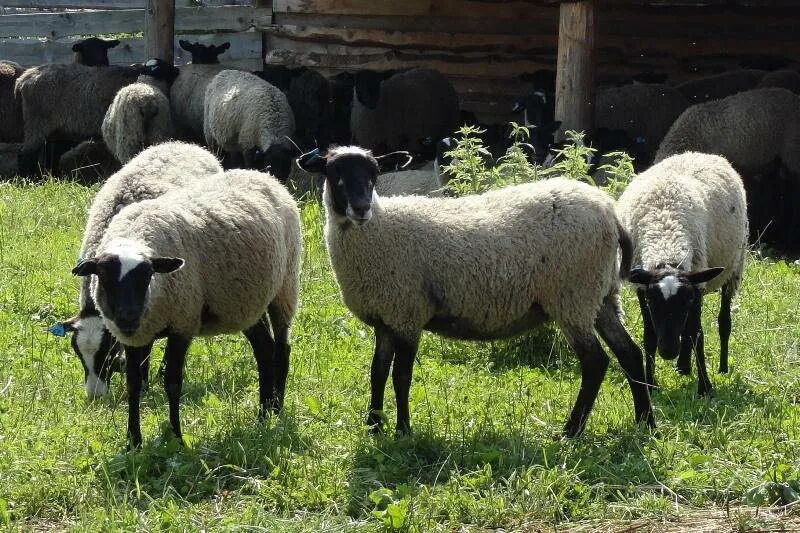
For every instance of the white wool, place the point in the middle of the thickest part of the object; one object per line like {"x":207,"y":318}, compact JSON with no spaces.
{"x":130,"y":255}
{"x":95,"y":387}
{"x":89,"y":337}
{"x":669,"y":286}
{"x":350,"y":150}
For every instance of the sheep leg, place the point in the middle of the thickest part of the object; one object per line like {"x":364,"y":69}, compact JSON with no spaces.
{"x":650,"y":341}
{"x":594,"y":363}
{"x":405,"y":352}
{"x":263,"y":350}
{"x":629,"y":356}
{"x":283,"y":350}
{"x":27,"y":160}
{"x":704,"y":385}
{"x":684,"y":365}
{"x":379,"y":373}
{"x":724,"y":324}
{"x":146,"y":373}
{"x":175,"y":355}
{"x":133,"y":377}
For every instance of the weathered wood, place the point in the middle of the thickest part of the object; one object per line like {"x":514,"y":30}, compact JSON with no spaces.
{"x":204,"y":19}
{"x":245,"y":50}
{"x":412,"y":8}
{"x":159,"y":29}
{"x":113,"y":4}
{"x":575,"y":66}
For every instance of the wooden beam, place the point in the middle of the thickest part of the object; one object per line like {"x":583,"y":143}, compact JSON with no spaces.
{"x":575,"y":66}
{"x":159,"y":30}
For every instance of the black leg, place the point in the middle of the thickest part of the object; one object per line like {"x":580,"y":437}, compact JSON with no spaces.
{"x":175,"y":355}
{"x":724,"y":323}
{"x":630,"y":359}
{"x":650,"y":340}
{"x":145,"y":366}
{"x":280,"y":327}
{"x":263,"y":350}
{"x":379,"y":373}
{"x":27,"y":161}
{"x":133,"y":374}
{"x":594,"y":363}
{"x":696,"y":335}
{"x":405,"y":352}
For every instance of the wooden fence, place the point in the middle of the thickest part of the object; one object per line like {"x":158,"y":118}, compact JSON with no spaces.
{"x":46,"y":35}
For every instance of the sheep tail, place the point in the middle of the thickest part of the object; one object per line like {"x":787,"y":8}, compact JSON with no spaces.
{"x":626,"y":246}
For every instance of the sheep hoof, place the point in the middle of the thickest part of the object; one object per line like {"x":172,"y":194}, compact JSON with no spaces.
{"x":402,"y":431}
{"x":707,"y":391}
{"x":684,"y":370}
{"x":375,"y":423}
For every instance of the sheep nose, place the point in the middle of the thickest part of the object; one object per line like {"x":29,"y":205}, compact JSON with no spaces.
{"x":360,"y":213}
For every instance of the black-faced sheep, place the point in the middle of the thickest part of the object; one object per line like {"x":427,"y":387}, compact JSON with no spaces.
{"x":687,"y":217}
{"x":10,"y":110}
{"x":93,"y":52}
{"x":192,"y":263}
{"x":478,"y":267}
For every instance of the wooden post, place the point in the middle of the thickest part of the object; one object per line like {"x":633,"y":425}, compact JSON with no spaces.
{"x":159,"y":30}
{"x":264,"y":3}
{"x":575,"y":67}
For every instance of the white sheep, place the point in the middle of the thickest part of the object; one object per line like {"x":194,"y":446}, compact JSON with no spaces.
{"x":244,"y":115}
{"x":478,"y":267}
{"x":150,"y":174}
{"x":140,"y":115}
{"x":232,"y":252}
{"x":687,"y":217}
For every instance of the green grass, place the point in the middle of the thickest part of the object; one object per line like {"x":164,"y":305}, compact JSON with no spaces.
{"x":486,"y":417}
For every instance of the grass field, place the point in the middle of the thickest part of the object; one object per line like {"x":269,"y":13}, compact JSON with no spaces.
{"x":486,"y":417}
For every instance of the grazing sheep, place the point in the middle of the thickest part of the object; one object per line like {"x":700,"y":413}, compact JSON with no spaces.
{"x":89,"y":162}
{"x":153,"y":172}
{"x":93,"y":52}
{"x":753,"y":130}
{"x":719,"y":85}
{"x":10,"y":110}
{"x":188,"y":92}
{"x":423,"y":181}
{"x":786,"y":79}
{"x":245,"y":115}
{"x":232,"y":252}
{"x":478,"y":267}
{"x":68,"y":100}
{"x":395,"y":113}
{"x":687,"y":217}
{"x":140,"y":115}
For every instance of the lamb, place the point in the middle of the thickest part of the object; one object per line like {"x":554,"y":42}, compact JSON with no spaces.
{"x":394,"y":114}
{"x":68,"y":100}
{"x":423,"y":181}
{"x":188,"y":92}
{"x":11,"y":124}
{"x":93,"y":52}
{"x":753,"y":130}
{"x":153,"y":172}
{"x":719,"y":86}
{"x":477,"y":267}
{"x":140,"y":116}
{"x":192,"y":263}
{"x":245,"y":116}
{"x":687,"y":217}
{"x":88,"y":162}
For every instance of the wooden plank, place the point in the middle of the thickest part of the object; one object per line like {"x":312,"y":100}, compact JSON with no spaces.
{"x":480,"y":9}
{"x":575,"y":67}
{"x":245,"y":50}
{"x":114,"y":4}
{"x":203,"y":19}
{"x":159,"y":29}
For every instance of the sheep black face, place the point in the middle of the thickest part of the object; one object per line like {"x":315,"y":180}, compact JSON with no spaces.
{"x":97,"y":350}
{"x":368,"y":86}
{"x":123,"y":276}
{"x":350,"y":175}
{"x":277,"y":159}
{"x":93,"y":52}
{"x":160,"y":70}
{"x":670,"y":295}
{"x":204,"y":54}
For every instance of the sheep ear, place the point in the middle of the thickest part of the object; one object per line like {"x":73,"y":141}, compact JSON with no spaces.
{"x":165,"y":265}
{"x":394,"y":161}
{"x":705,"y":275}
{"x":221,"y":48}
{"x":186,"y":45}
{"x":312,"y":161}
{"x":60,"y":329}
{"x":77,"y":47}
{"x":642,"y":277}
{"x":112,"y":43}
{"x":86,"y":267}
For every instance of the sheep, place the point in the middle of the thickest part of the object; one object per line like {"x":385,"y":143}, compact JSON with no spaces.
{"x":719,"y":86}
{"x":752,"y":130}
{"x":395,"y":113}
{"x":786,"y":79}
{"x":187,"y":93}
{"x":11,"y":124}
{"x":155,"y":171}
{"x":93,"y":52}
{"x":189,"y":263}
{"x":88,"y":162}
{"x":422,"y":181}
{"x":140,"y":115}
{"x":245,"y":115}
{"x":68,"y":100}
{"x":477,"y":267}
{"x":687,"y":217}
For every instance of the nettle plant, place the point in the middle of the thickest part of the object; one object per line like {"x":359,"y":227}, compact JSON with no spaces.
{"x":473,"y":169}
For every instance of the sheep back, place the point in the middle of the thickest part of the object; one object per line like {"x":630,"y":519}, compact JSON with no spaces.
{"x":718,"y":86}
{"x":413,"y":105}
{"x":423,"y":181}
{"x":11,"y":124}
{"x":785,"y":79}
{"x":186,"y":97}
{"x":243,"y":111}
{"x":688,"y":210}
{"x":240,"y":239}
{"x":485,"y":261}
